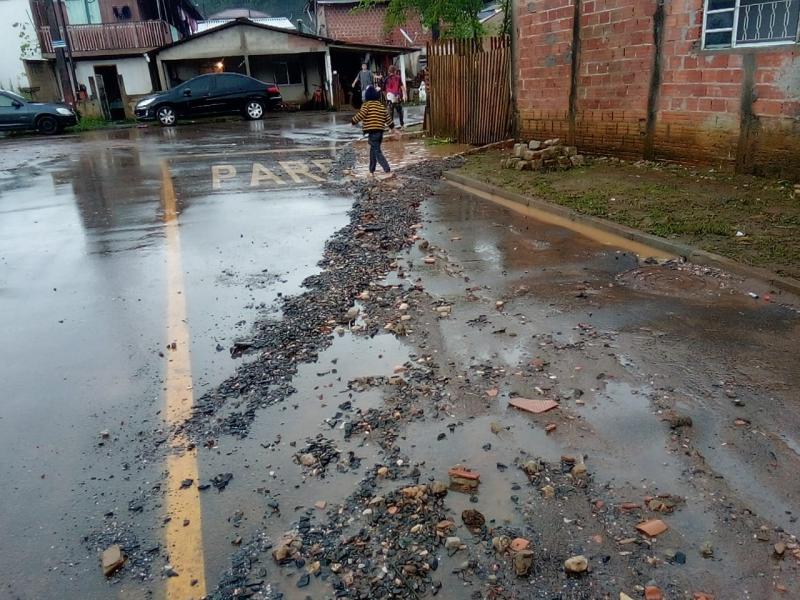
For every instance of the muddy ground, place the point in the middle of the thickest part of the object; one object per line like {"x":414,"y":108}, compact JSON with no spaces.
{"x":664,"y":412}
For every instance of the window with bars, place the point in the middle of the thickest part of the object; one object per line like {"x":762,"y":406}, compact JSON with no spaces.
{"x":735,"y":23}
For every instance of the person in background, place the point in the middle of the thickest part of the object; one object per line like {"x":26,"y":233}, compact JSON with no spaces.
{"x":394,"y":94}
{"x":374,"y":119}
{"x":365,"y":79}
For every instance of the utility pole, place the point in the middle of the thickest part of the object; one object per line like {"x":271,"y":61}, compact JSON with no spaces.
{"x":70,"y":61}
{"x":61,"y":63}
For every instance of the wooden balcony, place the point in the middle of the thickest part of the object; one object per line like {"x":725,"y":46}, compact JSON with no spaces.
{"x":111,"y":38}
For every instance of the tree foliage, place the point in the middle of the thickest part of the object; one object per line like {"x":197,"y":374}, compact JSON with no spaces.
{"x":455,"y":18}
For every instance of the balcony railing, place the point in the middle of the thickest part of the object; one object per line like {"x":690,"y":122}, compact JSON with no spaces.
{"x":134,"y":35}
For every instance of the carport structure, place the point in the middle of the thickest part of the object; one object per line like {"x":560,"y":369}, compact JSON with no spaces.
{"x":299,"y":63}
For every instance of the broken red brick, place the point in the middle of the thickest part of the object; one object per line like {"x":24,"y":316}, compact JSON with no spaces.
{"x":464,"y":473}
{"x":651,"y":592}
{"x":533,"y":406}
{"x":653,"y":527}
{"x":550,"y":427}
{"x":629,"y":506}
{"x":519,"y":544}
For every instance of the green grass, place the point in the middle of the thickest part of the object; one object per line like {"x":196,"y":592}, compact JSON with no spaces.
{"x":95,"y":123}
{"x":696,"y":206}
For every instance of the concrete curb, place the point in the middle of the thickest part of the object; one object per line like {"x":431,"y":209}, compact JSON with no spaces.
{"x":695,"y":255}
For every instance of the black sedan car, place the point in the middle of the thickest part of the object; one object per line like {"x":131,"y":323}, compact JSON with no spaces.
{"x":214,"y":94}
{"x":20,"y":114}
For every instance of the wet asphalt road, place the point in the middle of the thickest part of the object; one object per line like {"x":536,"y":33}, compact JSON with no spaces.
{"x":87,"y":269}
{"x":114,"y":245}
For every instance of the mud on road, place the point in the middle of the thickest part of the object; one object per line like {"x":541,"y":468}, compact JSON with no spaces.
{"x":433,"y":311}
{"x":367,"y":445}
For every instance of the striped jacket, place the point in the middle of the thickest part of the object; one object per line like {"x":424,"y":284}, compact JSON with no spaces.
{"x":373,"y":116}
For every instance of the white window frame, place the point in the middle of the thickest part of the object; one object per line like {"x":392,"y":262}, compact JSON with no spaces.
{"x":734,"y":31}
{"x":285,"y":66}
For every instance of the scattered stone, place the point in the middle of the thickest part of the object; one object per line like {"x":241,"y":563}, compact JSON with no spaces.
{"x":112,"y":560}
{"x":501,"y":543}
{"x":320,"y":504}
{"x":473,"y":519}
{"x":438,"y":489}
{"x":676,"y":421}
{"x":779,"y":549}
{"x":576,"y":564}
{"x":523,"y":561}
{"x":707,"y":550}
{"x":452,"y":543}
{"x":221,"y":481}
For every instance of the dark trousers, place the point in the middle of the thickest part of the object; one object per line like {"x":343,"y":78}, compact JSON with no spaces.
{"x":396,"y":106}
{"x":375,"y":139}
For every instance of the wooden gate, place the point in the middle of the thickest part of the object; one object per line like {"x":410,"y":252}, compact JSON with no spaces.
{"x":469,"y":95}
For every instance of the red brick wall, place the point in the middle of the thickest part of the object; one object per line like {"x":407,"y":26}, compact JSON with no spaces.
{"x":699,"y":100}
{"x":367,"y":26}
{"x":543,"y":66}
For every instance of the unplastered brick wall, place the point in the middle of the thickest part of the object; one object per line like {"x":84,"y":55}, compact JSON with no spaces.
{"x":631,"y":79}
{"x":367,"y":26}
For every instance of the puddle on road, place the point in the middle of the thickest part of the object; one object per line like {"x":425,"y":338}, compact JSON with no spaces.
{"x":588,"y":231}
{"x":321,"y":387}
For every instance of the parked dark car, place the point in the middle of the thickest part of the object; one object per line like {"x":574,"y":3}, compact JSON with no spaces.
{"x":214,"y":94}
{"x":18,"y":113}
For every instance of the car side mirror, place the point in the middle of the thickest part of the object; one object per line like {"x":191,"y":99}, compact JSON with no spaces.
{"x":187,"y":93}
{"x":16,"y":104}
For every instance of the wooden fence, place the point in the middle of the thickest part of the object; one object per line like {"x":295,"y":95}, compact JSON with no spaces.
{"x":469,"y":95}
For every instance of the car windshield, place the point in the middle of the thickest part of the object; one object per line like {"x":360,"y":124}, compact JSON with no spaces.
{"x":14,"y":96}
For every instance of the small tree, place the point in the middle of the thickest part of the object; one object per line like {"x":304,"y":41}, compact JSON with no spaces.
{"x":455,"y":18}
{"x":28,"y":42}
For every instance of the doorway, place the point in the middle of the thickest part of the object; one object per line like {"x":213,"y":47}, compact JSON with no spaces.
{"x":108,"y":92}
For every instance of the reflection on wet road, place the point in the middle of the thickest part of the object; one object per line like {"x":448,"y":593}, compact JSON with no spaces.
{"x":114,"y":246}
{"x":131,"y":260}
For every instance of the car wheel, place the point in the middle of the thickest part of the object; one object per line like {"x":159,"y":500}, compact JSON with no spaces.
{"x":166,"y":115}
{"x":254,"y":109}
{"x":47,"y":125}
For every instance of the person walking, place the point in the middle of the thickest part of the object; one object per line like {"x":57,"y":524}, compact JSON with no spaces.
{"x":394,"y":94}
{"x":365,"y":79}
{"x":374,"y":119}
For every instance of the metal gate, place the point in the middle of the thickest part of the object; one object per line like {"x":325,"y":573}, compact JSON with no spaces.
{"x":469,"y":95}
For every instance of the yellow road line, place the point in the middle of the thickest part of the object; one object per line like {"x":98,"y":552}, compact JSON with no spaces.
{"x":183,"y":534}
{"x":249,"y":152}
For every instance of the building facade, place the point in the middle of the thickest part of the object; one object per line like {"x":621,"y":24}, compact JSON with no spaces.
{"x":715,"y":81}
{"x":107,"y":46}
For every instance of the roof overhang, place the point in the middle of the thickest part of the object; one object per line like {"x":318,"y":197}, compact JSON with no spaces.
{"x":330,"y":42}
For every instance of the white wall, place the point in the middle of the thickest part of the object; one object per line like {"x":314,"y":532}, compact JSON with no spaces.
{"x":11,"y":67}
{"x":134,"y":71}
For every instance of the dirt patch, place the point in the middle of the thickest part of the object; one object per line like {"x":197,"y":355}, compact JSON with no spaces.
{"x":704,"y":208}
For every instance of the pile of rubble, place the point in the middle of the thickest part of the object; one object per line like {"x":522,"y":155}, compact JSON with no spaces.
{"x":543,"y":156}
